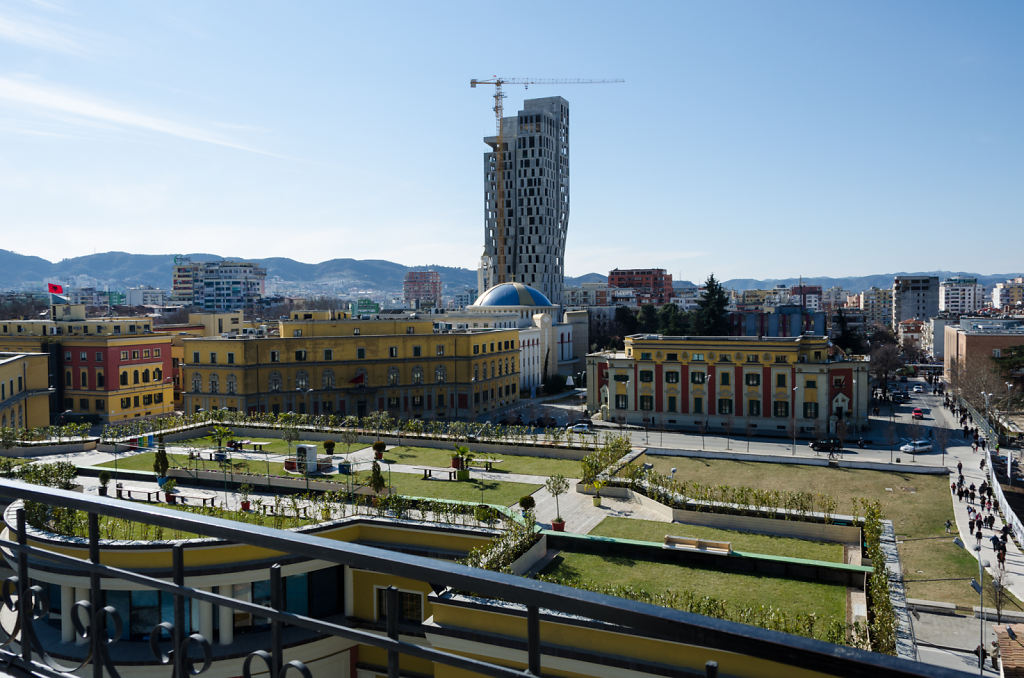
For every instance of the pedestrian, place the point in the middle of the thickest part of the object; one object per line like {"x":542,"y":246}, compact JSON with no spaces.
{"x":972,"y":496}
{"x":982,"y":464}
{"x":983,"y":443}
{"x":978,"y":535}
{"x":970,"y":513}
{"x":960,"y":494}
{"x":1005,"y":531}
{"x":949,"y":525}
{"x":995,"y":542}
{"x":952,"y":488}
{"x":995,"y":505}
{"x":1001,"y":558}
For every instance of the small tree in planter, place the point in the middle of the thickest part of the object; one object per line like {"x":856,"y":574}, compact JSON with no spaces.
{"x":526,"y":503}
{"x":329,"y":447}
{"x":160,"y":463}
{"x":378,"y":449}
{"x":557,"y":485}
{"x":168,"y":488}
{"x":597,"y":484}
{"x":104,"y":481}
{"x":245,"y":490}
{"x":461,"y":460}
{"x":377,"y":482}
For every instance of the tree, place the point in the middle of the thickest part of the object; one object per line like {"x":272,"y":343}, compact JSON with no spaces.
{"x":557,"y":485}
{"x":219,"y":434}
{"x":377,"y":482}
{"x":648,"y":319}
{"x":625,"y":321}
{"x":672,"y":322}
{"x":885,"y":360}
{"x":711,"y":319}
{"x":160,"y":463}
{"x":848,"y":339}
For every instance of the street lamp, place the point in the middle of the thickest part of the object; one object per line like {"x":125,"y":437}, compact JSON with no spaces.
{"x":978,"y":585}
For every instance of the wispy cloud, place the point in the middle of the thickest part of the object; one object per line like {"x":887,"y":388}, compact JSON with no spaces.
{"x":58,"y":100}
{"x":39,"y":36}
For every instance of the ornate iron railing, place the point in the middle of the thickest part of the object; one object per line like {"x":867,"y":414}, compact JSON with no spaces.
{"x":25,"y":604}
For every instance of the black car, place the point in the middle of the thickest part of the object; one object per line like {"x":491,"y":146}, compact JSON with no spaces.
{"x":826,"y":445}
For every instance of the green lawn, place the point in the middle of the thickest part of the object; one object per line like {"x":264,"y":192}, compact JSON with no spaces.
{"x":144,"y":462}
{"x":510,"y":463}
{"x":652,"y":530}
{"x":276,"y":446}
{"x":918,"y":505}
{"x":740,"y":590}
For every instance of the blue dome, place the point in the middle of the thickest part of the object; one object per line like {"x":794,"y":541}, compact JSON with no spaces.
{"x":512,"y":294}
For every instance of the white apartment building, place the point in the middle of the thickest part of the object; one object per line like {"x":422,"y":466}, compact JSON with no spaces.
{"x":146,"y":296}
{"x":961,"y":295}
{"x":914,"y":297}
{"x":1009,"y":295}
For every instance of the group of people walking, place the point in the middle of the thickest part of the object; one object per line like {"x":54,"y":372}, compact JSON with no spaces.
{"x":984,"y":516}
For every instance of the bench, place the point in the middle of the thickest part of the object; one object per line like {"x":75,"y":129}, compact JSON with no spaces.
{"x":429,"y":471}
{"x":692,"y":543}
{"x":488,"y":463}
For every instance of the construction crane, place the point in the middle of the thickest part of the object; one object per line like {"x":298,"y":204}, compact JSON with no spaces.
{"x":499,"y":159}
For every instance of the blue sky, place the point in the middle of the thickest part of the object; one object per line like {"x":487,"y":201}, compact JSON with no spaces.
{"x":751,"y":139}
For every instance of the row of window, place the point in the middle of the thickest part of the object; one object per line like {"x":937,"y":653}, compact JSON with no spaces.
{"x":780,"y":408}
{"x":83,"y":356}
{"x":5,"y":391}
{"x":722,"y":357}
{"x":135,"y":377}
{"x":302,"y":355}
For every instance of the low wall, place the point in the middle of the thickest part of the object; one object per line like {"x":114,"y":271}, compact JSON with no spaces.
{"x":54,"y":448}
{"x":534,"y":555}
{"x":797,"y":529}
{"x":805,"y":461}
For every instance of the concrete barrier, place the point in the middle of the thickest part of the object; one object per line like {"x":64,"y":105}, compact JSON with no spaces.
{"x":43,"y":449}
{"x":804,"y":461}
{"x":797,"y":529}
{"x":534,"y":555}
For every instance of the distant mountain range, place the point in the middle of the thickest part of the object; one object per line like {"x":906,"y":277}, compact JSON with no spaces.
{"x":120,"y":270}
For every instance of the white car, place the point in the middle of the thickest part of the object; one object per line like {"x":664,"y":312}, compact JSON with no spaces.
{"x":919,"y":389}
{"x":915,"y":446}
{"x":579,"y":428}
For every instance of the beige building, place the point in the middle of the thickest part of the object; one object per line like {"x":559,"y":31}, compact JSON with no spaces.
{"x":24,"y":390}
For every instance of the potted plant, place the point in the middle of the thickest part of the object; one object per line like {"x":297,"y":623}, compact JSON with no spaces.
{"x":104,"y":480}
{"x":377,"y":482}
{"x":378,"y":449}
{"x":329,"y":447}
{"x":168,"y":488}
{"x":526,"y":504}
{"x":484,"y":514}
{"x":465,"y":456}
{"x":597,"y":484}
{"x":245,"y":489}
{"x":557,"y":485}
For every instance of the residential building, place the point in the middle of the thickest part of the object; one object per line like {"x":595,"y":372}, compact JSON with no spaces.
{"x":218,"y":285}
{"x":876,"y":303}
{"x":347,"y":366}
{"x":971,"y":344}
{"x":833,"y":298}
{"x":743,"y":385}
{"x":652,"y":285}
{"x":103,"y":369}
{"x":526,"y":198}
{"x":145,"y":296}
{"x":961,"y":295}
{"x":807,"y":296}
{"x":914,"y":297}
{"x":1009,"y":295}
{"x":586,"y":295}
{"x":422,"y":289}
{"x":908,"y":334}
{"x":788,"y":320}
{"x":933,"y":337}
{"x":24,"y":390}
{"x":463,"y":299}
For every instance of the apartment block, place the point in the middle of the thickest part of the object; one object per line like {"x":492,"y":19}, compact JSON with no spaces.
{"x":961,"y":295}
{"x":914,"y":297}
{"x":652,"y":285}
{"x":876,"y":304}
{"x":422,"y":289}
{"x":217,"y":286}
{"x":1009,"y":295}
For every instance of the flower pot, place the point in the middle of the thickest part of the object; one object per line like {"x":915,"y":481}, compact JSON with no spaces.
{"x":103,"y":490}
{"x":378,"y":455}
{"x":169,"y":497}
{"x":325,"y":514}
{"x":597,"y":500}
{"x":558,"y":525}
{"x":462,"y":474}
{"x":456,"y":462}
{"x":245,"y":504}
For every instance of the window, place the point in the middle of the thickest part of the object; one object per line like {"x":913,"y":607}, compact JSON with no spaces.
{"x":393,"y":376}
{"x":135,"y":376}
{"x":997,"y":353}
{"x":214,"y":384}
{"x":697,"y":357}
{"x":197,"y":383}
{"x":810,"y":410}
{"x":672,"y":377}
{"x":296,"y":333}
{"x":327,"y":379}
{"x":147,"y":399}
{"x":393,"y":402}
{"x":645,"y":356}
{"x":698,"y":405}
{"x":646,"y":375}
{"x":83,"y":404}
{"x":360,"y":353}
{"x":328,"y":354}
{"x":646,"y":402}
{"x":621,"y":402}
{"x":697,"y":377}
{"x":416,"y":351}
{"x":780,"y":358}
{"x":135,"y":355}
{"x":837,"y":382}
{"x":156,"y":353}
{"x":231,"y":383}
{"x":725,"y":378}
{"x":417,"y":401}
{"x":780,"y":381}
{"x":417,"y":375}
{"x":83,"y":356}
{"x":157,"y":374}
{"x":231,"y":358}
{"x":811,"y":383}
{"x":145,"y":376}
{"x":440,"y":349}
{"x":300,"y":355}
{"x":671,"y":356}
{"x":302,"y":379}
{"x":410,"y":330}
{"x":780,"y":408}
{"x":145,"y":353}
{"x":124,"y":379}
{"x":100,"y":381}
{"x":393,"y":351}
{"x":99,"y":356}
{"x":753,"y":359}
{"x":84,"y":380}
{"x":410,"y":605}
{"x":476,"y":349}
{"x":622,"y":378}
{"x":274,"y":382}
{"x":725,"y":405}
{"x":752,"y":379}
{"x":440,"y":374}
{"x":195,"y":357}
{"x":724,"y":358}
{"x":126,"y":403}
{"x":671,"y":403}
{"x":101,"y":405}
{"x":67,"y":355}
{"x":754,"y":408}
{"x":124,"y":356}
{"x":355,"y":330}
{"x":275,"y":356}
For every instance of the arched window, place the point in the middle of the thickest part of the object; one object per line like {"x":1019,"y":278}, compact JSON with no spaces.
{"x":232,"y":384}
{"x":327,"y":379}
{"x":100,"y":381}
{"x":417,"y":375}
{"x":67,"y":378}
{"x":197,"y":383}
{"x":85,"y":379}
{"x":393,"y":376}
{"x":135,"y":377}
{"x":302,"y":379}
{"x":214,"y":384}
{"x":274,"y":381}
{"x":485,"y":370}
{"x":158,"y":374}
{"x":124,"y":379}
{"x":440,"y":374}
{"x":145,"y":376}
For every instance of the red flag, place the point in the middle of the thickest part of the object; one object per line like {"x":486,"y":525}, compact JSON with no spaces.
{"x":359,"y":378}
{"x":55,"y":289}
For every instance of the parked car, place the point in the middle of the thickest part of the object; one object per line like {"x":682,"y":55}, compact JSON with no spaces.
{"x":579,"y":428}
{"x":918,"y":388}
{"x":826,"y":445}
{"x":918,"y":413}
{"x":915,"y":446}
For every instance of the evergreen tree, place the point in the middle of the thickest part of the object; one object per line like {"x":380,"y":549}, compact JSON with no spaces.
{"x":648,"y":319}
{"x":672,"y":322}
{"x":625,"y":321}
{"x":711,"y":319}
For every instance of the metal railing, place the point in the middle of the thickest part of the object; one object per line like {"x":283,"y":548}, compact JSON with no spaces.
{"x":191,"y":653}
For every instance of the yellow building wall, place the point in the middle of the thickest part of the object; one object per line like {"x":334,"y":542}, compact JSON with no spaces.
{"x":24,"y":396}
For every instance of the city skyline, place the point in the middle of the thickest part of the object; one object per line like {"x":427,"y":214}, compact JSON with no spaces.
{"x":760,"y":141}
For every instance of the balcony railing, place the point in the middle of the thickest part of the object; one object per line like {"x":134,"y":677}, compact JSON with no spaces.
{"x":25,"y":605}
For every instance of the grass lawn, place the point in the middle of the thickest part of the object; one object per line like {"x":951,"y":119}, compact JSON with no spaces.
{"x":510,"y":463}
{"x":276,"y":446}
{"x":918,"y":506}
{"x":652,"y":530}
{"x":144,"y":462}
{"x":736,"y":589}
